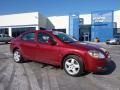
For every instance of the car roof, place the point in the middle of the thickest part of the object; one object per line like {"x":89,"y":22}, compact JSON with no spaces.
{"x":48,"y":31}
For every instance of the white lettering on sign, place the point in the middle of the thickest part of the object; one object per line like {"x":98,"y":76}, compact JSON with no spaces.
{"x":99,"y":19}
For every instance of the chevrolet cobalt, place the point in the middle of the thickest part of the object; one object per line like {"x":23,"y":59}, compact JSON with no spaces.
{"x":57,"y":48}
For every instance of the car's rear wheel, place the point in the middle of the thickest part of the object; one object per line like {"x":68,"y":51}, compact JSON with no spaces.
{"x":17,"y":56}
{"x":73,"y":65}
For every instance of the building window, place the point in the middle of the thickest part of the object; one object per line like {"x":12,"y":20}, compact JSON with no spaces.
{"x":42,"y":28}
{"x":118,"y":30}
{"x":4,"y":31}
{"x":85,"y":33}
{"x":17,"y":31}
{"x":60,"y":30}
{"x":81,"y":21}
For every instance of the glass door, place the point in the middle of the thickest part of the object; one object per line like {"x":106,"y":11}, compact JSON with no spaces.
{"x":86,"y":36}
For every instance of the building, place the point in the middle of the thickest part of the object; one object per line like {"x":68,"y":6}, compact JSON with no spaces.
{"x":14,"y":24}
{"x":61,"y":23}
{"x":85,"y":27}
{"x":99,"y":24}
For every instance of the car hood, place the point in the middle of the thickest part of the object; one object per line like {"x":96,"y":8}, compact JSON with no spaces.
{"x":86,"y":46}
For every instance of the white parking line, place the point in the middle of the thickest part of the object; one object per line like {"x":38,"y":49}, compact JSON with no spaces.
{"x":32,"y":78}
{"x":115,"y":54}
{"x":8,"y":54}
{"x":19,"y":81}
{"x":45,"y":80}
{"x":53,"y":80}
{"x":7,"y":74}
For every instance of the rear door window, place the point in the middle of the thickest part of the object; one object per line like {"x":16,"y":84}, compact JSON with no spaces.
{"x":29,"y":37}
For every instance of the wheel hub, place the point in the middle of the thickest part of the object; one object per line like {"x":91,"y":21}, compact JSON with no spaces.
{"x":72,"y":66}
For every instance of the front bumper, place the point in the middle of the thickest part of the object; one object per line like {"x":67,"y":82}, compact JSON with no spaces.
{"x":96,"y":65}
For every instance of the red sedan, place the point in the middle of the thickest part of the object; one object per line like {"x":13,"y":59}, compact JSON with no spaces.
{"x":59,"y":49}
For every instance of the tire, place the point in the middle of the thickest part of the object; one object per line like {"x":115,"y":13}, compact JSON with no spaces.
{"x":17,"y":56}
{"x":73,"y":65}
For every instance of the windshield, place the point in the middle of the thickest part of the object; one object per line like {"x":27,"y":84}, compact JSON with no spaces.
{"x":64,"y":37}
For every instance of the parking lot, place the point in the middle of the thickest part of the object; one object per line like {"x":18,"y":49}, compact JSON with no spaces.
{"x":36,"y":76}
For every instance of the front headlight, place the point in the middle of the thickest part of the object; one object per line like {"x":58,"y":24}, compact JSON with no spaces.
{"x":96,"y":54}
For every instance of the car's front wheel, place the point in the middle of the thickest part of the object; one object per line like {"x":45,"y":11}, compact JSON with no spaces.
{"x":73,"y":65}
{"x":17,"y":56}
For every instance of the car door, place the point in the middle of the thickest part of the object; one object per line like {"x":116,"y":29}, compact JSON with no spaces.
{"x":28,"y":45}
{"x":45,"y":52}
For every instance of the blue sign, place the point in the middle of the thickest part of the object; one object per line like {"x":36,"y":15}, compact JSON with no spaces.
{"x":74,"y":26}
{"x":102,"y":25}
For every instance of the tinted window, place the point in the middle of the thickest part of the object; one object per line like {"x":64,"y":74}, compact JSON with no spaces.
{"x":29,"y":37}
{"x":44,"y":37}
{"x":64,"y":37}
{"x":17,"y":31}
{"x":3,"y":30}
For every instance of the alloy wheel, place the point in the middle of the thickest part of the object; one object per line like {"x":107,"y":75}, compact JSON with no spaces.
{"x":72,"y":66}
{"x":17,"y":56}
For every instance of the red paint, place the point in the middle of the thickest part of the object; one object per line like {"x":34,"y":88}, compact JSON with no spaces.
{"x":55,"y":54}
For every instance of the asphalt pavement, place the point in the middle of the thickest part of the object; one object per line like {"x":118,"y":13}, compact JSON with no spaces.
{"x":36,"y":76}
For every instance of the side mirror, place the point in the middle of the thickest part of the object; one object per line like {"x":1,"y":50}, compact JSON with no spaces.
{"x":51,"y":42}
